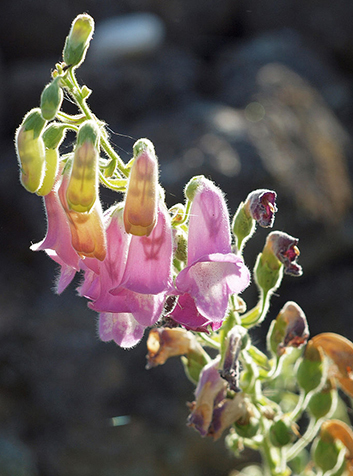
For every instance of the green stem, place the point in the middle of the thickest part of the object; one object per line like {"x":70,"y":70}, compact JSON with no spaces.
{"x":258,"y":313}
{"x":309,"y":435}
{"x":75,"y":91}
{"x":210,"y":342}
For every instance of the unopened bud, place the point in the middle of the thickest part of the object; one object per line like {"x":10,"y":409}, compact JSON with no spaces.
{"x":31,"y":151}
{"x":141,"y":201}
{"x":78,"y":40}
{"x":51,"y":99}
{"x":311,"y":370}
{"x":82,"y":190}
{"x":243,"y":226}
{"x":289,"y":329}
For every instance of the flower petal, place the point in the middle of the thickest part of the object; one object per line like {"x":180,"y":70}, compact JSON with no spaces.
{"x":121,"y":327}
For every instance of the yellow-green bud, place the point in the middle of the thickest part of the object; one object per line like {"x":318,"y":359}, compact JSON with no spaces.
{"x":141,"y":201}
{"x":268,"y":272}
{"x":311,"y":370}
{"x":82,"y":190}
{"x":31,"y":151}
{"x":78,"y":40}
{"x":51,"y":99}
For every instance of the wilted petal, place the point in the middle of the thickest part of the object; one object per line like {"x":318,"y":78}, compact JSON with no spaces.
{"x":286,"y":251}
{"x":340,"y":351}
{"x":261,"y":205}
{"x":341,"y":431}
{"x":231,"y":369}
{"x":163,"y":343}
{"x":208,"y":391}
{"x":227,"y":412}
{"x":122,"y":328}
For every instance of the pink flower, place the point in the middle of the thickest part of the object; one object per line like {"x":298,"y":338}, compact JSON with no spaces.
{"x":57,"y":242}
{"x":129,"y":287}
{"x":213,"y":271}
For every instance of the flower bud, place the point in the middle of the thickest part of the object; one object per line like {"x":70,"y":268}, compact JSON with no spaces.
{"x":82,"y":190}
{"x":141,"y":201}
{"x":52,"y":136}
{"x":311,"y":371}
{"x":78,"y":40}
{"x":289,"y":329}
{"x":30,"y":150}
{"x":51,"y":99}
{"x":281,"y":432}
{"x":323,"y":402}
{"x":243,"y":226}
{"x":249,"y":425}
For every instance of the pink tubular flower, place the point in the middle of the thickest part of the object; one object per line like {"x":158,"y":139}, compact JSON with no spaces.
{"x":213,"y":272}
{"x":57,"y":242}
{"x":129,"y":287}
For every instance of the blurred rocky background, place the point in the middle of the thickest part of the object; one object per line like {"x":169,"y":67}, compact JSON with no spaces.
{"x":251,"y":94}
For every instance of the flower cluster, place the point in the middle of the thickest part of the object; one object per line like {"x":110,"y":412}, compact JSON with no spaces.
{"x":180,"y":271}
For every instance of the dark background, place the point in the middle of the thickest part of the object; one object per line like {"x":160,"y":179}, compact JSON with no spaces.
{"x":59,"y":385}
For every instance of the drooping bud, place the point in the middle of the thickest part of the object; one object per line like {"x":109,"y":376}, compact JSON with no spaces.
{"x":51,"y":99}
{"x":311,"y":372}
{"x":78,"y":40}
{"x":289,"y":329}
{"x":340,"y":352}
{"x":82,"y":190}
{"x":141,"y":201}
{"x":30,"y":150}
{"x":52,"y":136}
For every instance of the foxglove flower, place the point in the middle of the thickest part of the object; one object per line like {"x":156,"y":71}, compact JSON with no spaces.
{"x":57,"y":242}
{"x":213,"y":272}
{"x":132,"y":281}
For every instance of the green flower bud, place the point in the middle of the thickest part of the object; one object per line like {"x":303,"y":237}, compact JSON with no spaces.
{"x":311,"y":370}
{"x":323,"y":402}
{"x":82,"y":190}
{"x":78,"y":40}
{"x":192,"y":186}
{"x":31,"y":151}
{"x":51,"y":99}
{"x":243,"y":225}
{"x":268,"y":272}
{"x":281,"y":432}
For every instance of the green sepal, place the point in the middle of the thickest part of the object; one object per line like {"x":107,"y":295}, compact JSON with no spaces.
{"x":51,"y":99}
